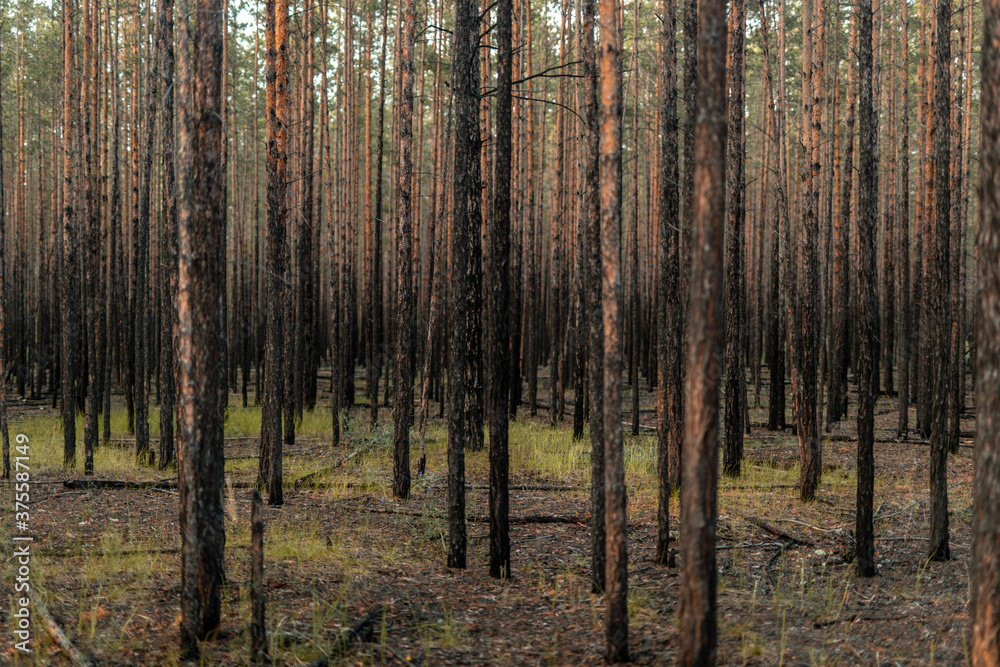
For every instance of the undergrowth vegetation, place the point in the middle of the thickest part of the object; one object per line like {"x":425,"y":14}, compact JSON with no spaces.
{"x":107,"y":563}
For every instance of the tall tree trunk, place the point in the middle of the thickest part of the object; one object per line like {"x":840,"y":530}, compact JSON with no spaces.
{"x":289,"y":286}
{"x":776,"y":324}
{"x":335,"y":357}
{"x":616,"y":567}
{"x":4,"y":435}
{"x":376,"y":276}
{"x":928,"y":329}
{"x":867,"y":295}
{"x":305,"y":362}
{"x":668,"y":322}
{"x":595,"y":310}
{"x":735,"y":267}
{"x":91,"y":232}
{"x":905,"y":321}
{"x":276,"y":78}
{"x":168,"y":245}
{"x":985,"y":585}
{"x":938,"y":292}
{"x":887,"y":323}
{"x":517,"y":214}
{"x":474,"y":315}
{"x":701,"y":419}
{"x":806,"y":354}
{"x":498,"y":301}
{"x":465,"y":227}
{"x":115,"y":264}
{"x":140,"y":278}
{"x":690,"y":30}
{"x":70,"y":304}
{"x":201,"y":222}
{"x":373,"y":308}
{"x":634,"y":313}
{"x":403,"y":395}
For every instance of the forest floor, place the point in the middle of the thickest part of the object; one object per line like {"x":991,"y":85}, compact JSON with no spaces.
{"x":107,"y":563}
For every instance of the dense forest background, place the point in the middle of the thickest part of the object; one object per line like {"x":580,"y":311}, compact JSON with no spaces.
{"x":342,"y":68}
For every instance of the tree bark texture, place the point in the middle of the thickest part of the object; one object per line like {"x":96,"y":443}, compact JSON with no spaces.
{"x":403,"y":399}
{"x":669,"y":406}
{"x":276,"y":79}
{"x":466,"y":223}
{"x":735,"y":268}
{"x":867,"y":296}
{"x":70,"y":304}
{"x":595,"y":310}
{"x":201,"y":225}
{"x":616,"y":566}
{"x":697,"y":605}
{"x":168,"y":244}
{"x":498,"y":305}
{"x":984,"y":614}
{"x":939,"y":300}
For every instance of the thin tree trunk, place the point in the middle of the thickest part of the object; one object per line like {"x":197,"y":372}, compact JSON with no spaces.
{"x":867,"y":296}
{"x":403,"y":394}
{"x":616,"y":567}
{"x":465,"y":227}
{"x":776,"y":324}
{"x":668,"y":387}
{"x":376,"y":277}
{"x":372,"y":307}
{"x":690,"y":29}
{"x":595,"y":318}
{"x":806,"y":352}
{"x":305,"y":361}
{"x":498,"y":302}
{"x":635,"y":314}
{"x":4,"y":435}
{"x":938,"y":292}
{"x":91,"y":232}
{"x":905,"y":321}
{"x":289,"y":290}
{"x":735,"y":320}
{"x":168,"y":245}
{"x":140,"y":279}
{"x":115,"y":263}
{"x":276,"y":78}
{"x":70,"y":313}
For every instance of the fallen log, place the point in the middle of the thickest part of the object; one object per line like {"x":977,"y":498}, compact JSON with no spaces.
{"x":102,"y":484}
{"x":582,"y":519}
{"x":129,"y":485}
{"x":363,"y":631}
{"x":532,"y":487}
{"x":76,"y":656}
{"x":777,"y":532}
{"x":309,"y":480}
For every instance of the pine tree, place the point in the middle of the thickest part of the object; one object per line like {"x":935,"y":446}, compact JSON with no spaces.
{"x":985,"y":585}
{"x":466,"y":200}
{"x":735,"y":263}
{"x":68,"y":287}
{"x":697,"y":605}
{"x":867,"y":296}
{"x":403,"y":399}
{"x":276,"y":77}
{"x":498,"y":305}
{"x":668,"y":387}
{"x":616,"y":554}
{"x":201,"y":224}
